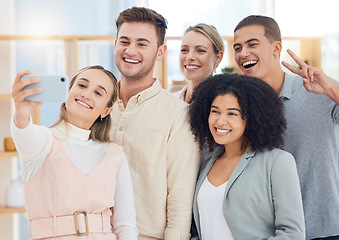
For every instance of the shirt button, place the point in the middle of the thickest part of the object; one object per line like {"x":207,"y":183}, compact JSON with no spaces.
{"x":121,"y":128}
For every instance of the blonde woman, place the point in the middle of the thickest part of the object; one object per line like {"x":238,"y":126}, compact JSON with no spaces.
{"x":201,"y":52}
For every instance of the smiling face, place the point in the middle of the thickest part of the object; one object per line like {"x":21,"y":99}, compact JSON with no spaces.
{"x":225,"y":121}
{"x":255,"y":55}
{"x":88,"y":98}
{"x":136,"y":50}
{"x":197,"y":57}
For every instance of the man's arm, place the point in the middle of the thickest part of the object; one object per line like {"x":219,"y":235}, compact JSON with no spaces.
{"x":183,"y":160}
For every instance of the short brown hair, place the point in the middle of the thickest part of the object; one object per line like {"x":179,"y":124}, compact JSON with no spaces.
{"x":141,"y":14}
{"x":272,"y":30}
{"x":100,"y":128}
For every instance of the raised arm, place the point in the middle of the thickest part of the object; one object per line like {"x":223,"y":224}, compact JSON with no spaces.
{"x":315,"y":80}
{"x":23,"y":107}
{"x":32,"y":142}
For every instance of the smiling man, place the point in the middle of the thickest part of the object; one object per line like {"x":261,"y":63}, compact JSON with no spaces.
{"x":152,"y":126}
{"x":311,"y":108}
{"x":257,"y":50}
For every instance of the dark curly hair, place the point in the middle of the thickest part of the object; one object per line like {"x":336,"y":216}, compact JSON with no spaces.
{"x":259,"y":103}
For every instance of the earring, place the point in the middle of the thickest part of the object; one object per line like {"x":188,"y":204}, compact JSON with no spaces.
{"x":101,"y":119}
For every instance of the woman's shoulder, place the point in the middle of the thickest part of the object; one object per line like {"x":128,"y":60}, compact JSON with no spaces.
{"x":181,"y":93}
{"x":274,"y":154}
{"x":277,"y":152}
{"x":276,"y":158}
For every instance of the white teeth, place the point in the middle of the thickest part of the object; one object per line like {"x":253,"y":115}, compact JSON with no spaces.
{"x":131,"y":60}
{"x":222,"y":131}
{"x":84,"y":104}
{"x":249,"y":62}
{"x":191,"y":67}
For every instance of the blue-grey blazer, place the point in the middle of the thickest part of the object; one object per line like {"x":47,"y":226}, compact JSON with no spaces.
{"x":262,"y":198}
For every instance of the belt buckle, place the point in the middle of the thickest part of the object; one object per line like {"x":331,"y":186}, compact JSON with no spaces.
{"x":76,"y":223}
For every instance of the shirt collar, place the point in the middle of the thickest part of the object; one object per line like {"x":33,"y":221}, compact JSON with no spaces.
{"x":249,"y":154}
{"x":287,"y":88}
{"x":182,"y":93}
{"x":142,"y":96}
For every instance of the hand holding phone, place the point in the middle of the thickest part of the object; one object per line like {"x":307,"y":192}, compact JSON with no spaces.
{"x":54,"y":88}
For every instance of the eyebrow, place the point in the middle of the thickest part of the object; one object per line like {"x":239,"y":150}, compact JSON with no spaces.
{"x":99,"y":86}
{"x":199,"y":45}
{"x":249,"y":40}
{"x":143,"y":40}
{"x":235,"y":109}
{"x":138,"y":39}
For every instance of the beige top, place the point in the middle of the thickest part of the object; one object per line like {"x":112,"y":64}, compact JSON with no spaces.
{"x":163,"y":159}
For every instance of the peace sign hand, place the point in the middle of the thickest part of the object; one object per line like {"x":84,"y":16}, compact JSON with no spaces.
{"x":314,"y":79}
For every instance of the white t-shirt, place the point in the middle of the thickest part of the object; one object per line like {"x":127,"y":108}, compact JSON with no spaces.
{"x":213,"y":224}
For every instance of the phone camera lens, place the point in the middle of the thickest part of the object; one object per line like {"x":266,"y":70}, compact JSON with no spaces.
{"x":62,"y":79}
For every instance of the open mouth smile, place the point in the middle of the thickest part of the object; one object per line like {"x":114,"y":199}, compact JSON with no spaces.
{"x":129,"y":60}
{"x":84,"y":104}
{"x":249,"y":64}
{"x":222,"y":131}
{"x":192,"y":66}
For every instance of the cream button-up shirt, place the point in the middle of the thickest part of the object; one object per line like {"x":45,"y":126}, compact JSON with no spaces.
{"x":163,"y":159}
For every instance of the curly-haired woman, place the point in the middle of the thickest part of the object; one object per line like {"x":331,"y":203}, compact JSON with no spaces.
{"x":248,"y":189}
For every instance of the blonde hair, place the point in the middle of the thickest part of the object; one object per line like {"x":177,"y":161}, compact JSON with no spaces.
{"x":211,"y":33}
{"x":101,"y":126}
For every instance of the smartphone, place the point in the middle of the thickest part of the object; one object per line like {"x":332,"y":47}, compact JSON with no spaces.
{"x":54,"y":88}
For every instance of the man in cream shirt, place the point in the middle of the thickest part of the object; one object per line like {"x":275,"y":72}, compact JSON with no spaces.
{"x":152,"y":126}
